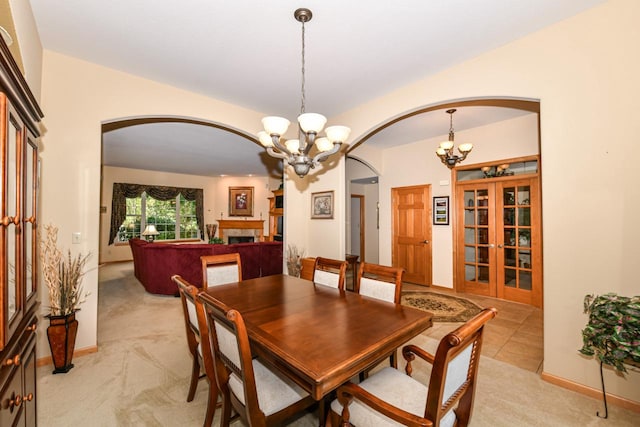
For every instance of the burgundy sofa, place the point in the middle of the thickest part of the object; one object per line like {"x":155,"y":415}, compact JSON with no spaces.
{"x":155,"y":263}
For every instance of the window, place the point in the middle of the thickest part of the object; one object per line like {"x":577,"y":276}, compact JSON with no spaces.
{"x":174,"y":219}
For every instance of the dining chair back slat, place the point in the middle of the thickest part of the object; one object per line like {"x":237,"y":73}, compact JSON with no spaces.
{"x":220,"y":269}
{"x":330,"y":272}
{"x":380,"y":282}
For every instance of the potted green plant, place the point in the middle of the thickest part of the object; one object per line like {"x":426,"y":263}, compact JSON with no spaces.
{"x":62,"y":275}
{"x":612,"y":333}
{"x":216,"y":241}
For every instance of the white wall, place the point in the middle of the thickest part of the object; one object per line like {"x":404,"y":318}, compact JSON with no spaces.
{"x":216,"y":192}
{"x":501,"y":140}
{"x":77,"y":98}
{"x":584,"y":71}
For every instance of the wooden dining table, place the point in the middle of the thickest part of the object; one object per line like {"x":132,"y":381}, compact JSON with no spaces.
{"x":318,"y":336}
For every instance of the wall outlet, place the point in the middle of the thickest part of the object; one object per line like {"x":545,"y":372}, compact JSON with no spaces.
{"x":75,"y":237}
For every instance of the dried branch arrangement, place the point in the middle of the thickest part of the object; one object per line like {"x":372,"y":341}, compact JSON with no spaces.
{"x":62,"y":274}
{"x":294,"y":260}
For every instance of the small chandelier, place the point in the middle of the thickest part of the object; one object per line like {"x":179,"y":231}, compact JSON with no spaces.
{"x":296,"y":151}
{"x":445,"y":151}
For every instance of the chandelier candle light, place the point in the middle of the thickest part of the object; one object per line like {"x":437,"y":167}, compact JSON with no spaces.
{"x":296,"y":151}
{"x":445,"y":151}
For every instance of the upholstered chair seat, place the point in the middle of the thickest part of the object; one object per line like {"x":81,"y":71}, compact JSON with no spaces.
{"x":274,"y":392}
{"x":392,"y":398}
{"x":393,"y":387}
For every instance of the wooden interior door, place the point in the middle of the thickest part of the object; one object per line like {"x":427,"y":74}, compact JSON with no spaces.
{"x":499,"y":240}
{"x":411,"y":239}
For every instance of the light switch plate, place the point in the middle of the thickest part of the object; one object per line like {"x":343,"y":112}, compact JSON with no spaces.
{"x":75,"y":237}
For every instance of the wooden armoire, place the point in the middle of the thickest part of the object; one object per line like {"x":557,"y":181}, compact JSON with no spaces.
{"x":19,"y":117}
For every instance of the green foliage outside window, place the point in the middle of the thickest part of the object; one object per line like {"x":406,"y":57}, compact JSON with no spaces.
{"x":163,"y":214}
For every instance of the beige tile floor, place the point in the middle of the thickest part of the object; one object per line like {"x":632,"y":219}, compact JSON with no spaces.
{"x":513,"y":337}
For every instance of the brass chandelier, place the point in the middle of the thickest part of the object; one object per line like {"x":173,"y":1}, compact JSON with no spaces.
{"x":445,"y":151}
{"x":296,"y":151}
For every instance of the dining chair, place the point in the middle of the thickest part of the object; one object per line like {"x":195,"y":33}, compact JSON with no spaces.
{"x":330,"y":272}
{"x":390,"y":397}
{"x":383,"y":283}
{"x":307,"y":268}
{"x":199,"y":345}
{"x":220,"y":269}
{"x":260,"y":395}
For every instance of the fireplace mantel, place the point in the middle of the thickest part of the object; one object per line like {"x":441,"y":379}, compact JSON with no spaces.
{"x":237,"y":224}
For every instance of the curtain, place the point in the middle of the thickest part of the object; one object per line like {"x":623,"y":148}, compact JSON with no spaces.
{"x":123,"y":191}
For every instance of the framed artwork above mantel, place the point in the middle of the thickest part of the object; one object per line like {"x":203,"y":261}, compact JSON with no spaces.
{"x":240,"y":201}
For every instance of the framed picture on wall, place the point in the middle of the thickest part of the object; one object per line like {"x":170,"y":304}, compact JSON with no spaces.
{"x":441,"y":210}
{"x":322,"y":205}
{"x":240,"y":201}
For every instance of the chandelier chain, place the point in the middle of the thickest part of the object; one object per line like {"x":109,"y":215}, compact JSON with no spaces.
{"x":302,"y":104}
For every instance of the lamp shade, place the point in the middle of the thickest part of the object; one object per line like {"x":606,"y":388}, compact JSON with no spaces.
{"x":446,"y":145}
{"x":465,"y":148}
{"x":323,"y":144}
{"x":275,"y":125}
{"x":293,"y":145}
{"x":150,"y":230}
{"x":312,"y":122}
{"x":337,"y":133}
{"x":265,"y":139}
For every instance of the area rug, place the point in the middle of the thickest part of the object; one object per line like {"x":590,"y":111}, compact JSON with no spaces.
{"x":445,"y":308}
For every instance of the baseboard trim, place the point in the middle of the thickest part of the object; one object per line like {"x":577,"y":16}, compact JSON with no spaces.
{"x":44,"y":361}
{"x":591,"y":392}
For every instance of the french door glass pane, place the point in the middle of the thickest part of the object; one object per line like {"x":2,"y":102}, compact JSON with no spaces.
{"x":483,"y":254}
{"x":469,"y":254}
{"x":470,"y":273}
{"x":483,"y":198}
{"x":509,"y":196}
{"x":483,"y":236}
{"x":469,"y":235}
{"x":483,"y":217}
{"x":483,"y":274}
{"x":524,"y":195}
{"x":510,"y":277}
{"x":469,"y":197}
{"x":524,"y":216}
{"x":469,"y":217}
{"x":525,"y":280}
{"x":510,"y":257}
{"x":509,"y":236}
{"x":509,"y":216}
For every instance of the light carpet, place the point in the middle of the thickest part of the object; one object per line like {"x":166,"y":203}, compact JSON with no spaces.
{"x":140,"y":375}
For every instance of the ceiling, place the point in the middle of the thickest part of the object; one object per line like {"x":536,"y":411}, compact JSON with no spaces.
{"x":247,"y":52}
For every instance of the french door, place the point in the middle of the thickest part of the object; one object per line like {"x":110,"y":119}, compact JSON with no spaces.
{"x":499,"y":239}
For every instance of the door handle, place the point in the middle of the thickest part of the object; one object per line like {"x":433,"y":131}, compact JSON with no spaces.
{"x":425,"y":241}
{"x":500,"y":245}
{"x":491,"y":245}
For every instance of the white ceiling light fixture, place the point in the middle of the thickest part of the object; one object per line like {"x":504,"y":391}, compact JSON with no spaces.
{"x":445,"y":151}
{"x":296,"y":151}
